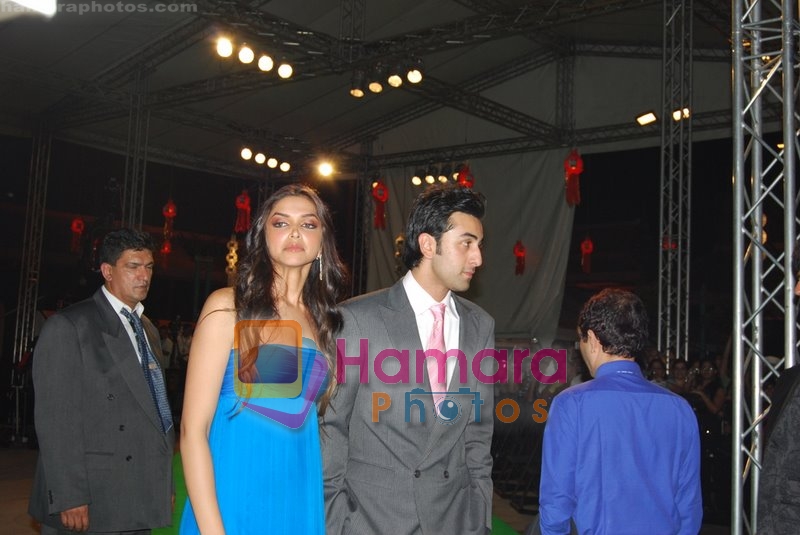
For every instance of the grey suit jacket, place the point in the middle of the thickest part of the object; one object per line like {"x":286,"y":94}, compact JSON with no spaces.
{"x":100,"y":437}
{"x":393,"y":476}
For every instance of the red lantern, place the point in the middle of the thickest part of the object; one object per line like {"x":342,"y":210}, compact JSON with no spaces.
{"x":77,"y":226}
{"x":465,"y":178}
{"x":519,"y":254}
{"x":242,"y":212}
{"x":169,"y":211}
{"x":573,"y":167}
{"x":587,"y":248}
{"x":380,"y":193}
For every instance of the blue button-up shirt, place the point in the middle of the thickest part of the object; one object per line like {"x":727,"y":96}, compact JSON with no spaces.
{"x":620,"y":456}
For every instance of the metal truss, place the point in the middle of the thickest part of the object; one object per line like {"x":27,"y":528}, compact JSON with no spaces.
{"x":565,"y":95}
{"x":28,"y":296}
{"x":765,"y":35}
{"x":676,"y":181}
{"x":136,"y":160}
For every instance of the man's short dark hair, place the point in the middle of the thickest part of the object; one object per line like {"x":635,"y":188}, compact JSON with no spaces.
{"x":430,"y":214}
{"x":619,"y":321}
{"x":117,"y":242}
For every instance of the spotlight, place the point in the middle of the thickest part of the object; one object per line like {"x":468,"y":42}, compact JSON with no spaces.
{"x":430,"y":175}
{"x":416,"y":180}
{"x":224,"y":47}
{"x":678,"y":115}
{"x":443,"y":175}
{"x":285,"y":70}
{"x":260,"y":158}
{"x":272,"y":163}
{"x":246,"y":54}
{"x":246,"y":154}
{"x":457,"y":169}
{"x":325,"y":169}
{"x":285,"y":166}
{"x":414,"y":74}
{"x":357,"y":84}
{"x":395,"y":79}
{"x":646,"y":118}
{"x":265,"y":63}
{"x":375,"y":86}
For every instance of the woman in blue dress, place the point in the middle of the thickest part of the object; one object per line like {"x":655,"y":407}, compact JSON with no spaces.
{"x":260,"y":372}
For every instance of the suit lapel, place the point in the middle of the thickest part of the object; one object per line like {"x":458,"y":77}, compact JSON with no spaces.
{"x":125,"y":356}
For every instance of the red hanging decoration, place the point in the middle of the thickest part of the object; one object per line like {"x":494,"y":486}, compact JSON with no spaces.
{"x":519,"y":254}
{"x":573,"y":167}
{"x":587,"y":248}
{"x":77,"y":226}
{"x":380,"y":193}
{"x":169,"y":211}
{"x":242,"y":212}
{"x":465,"y":178}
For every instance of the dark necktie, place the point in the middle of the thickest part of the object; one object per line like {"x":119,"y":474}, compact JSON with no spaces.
{"x":152,"y":372}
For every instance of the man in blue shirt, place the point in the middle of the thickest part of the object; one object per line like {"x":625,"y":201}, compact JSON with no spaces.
{"x":621,"y":455}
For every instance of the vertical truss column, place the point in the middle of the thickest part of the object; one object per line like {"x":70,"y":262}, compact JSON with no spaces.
{"x":136,"y":158}
{"x":352,"y":28}
{"x":565,"y":94}
{"x":361,"y":224}
{"x":28,"y":295}
{"x":765,"y":73}
{"x":676,"y":180}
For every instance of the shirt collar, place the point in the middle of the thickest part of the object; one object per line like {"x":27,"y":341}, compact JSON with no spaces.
{"x":118,"y":305}
{"x":421,"y":301}
{"x":619,"y":366}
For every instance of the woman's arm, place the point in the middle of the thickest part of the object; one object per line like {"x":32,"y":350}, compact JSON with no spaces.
{"x":210,"y":350}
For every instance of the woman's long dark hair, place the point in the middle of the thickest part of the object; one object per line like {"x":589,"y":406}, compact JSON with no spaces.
{"x":254,"y":292}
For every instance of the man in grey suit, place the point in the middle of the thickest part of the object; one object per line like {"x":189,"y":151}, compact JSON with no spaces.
{"x":396,"y":460}
{"x":105,"y":448}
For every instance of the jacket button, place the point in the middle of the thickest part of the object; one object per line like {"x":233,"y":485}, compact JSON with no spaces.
{"x":110,"y":397}
{"x":129,"y":457}
{"x":122,"y":428}
{"x":416,"y":473}
{"x":446,"y":474}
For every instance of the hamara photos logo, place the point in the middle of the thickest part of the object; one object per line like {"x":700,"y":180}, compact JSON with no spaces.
{"x":279,"y":374}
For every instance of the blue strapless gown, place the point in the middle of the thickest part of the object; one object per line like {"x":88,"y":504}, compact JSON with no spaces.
{"x":268,"y":474}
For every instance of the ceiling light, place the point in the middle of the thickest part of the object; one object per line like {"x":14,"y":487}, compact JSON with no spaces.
{"x":430,"y":177}
{"x":285,"y":70}
{"x":414,"y":74}
{"x":646,"y":118}
{"x":265,"y":63}
{"x":246,"y":154}
{"x":224,"y":47}
{"x":375,"y":86}
{"x":272,"y":163}
{"x":416,"y":180}
{"x":246,"y":54}
{"x":285,"y":166}
{"x":260,"y":158}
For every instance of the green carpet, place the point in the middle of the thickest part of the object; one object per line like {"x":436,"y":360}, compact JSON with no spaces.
{"x":498,"y":526}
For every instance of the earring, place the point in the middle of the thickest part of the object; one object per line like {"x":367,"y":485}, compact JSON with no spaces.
{"x":319,"y":257}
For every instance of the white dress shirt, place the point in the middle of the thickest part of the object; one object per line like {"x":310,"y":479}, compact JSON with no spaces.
{"x":118,"y":305}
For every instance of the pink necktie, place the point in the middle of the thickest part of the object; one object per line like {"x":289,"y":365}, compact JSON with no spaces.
{"x":436,"y":341}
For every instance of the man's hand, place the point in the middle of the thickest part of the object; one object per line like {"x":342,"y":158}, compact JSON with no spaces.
{"x":76,"y":519}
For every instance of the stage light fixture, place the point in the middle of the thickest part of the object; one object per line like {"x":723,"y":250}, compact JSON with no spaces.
{"x":416,"y":180}
{"x":272,"y":163}
{"x":224,"y":47}
{"x":678,"y":115}
{"x":414,"y":74}
{"x":285,"y":70}
{"x":646,"y":118}
{"x":375,"y":86}
{"x":246,"y":153}
{"x":246,"y":54}
{"x":357,"y":84}
{"x":395,"y":78}
{"x":285,"y":166}
{"x":325,"y":169}
{"x":265,"y":63}
{"x":431,"y":174}
{"x":260,"y":158}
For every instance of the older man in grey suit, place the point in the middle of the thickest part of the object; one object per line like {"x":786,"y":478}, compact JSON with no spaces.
{"x":103,"y":423}
{"x":402,"y":461}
